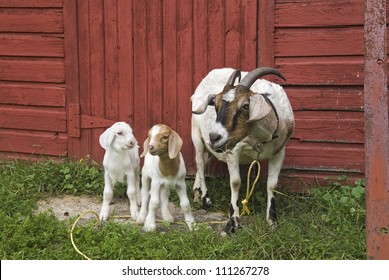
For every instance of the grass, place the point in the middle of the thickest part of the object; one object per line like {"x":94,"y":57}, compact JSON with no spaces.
{"x":329,"y":223}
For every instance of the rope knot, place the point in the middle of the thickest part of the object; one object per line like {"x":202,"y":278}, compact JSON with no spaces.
{"x":245,"y":210}
{"x":249,"y":191}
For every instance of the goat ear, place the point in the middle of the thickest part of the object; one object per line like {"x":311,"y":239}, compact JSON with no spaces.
{"x":210,"y":101}
{"x":259,"y":108}
{"x":174,"y":145}
{"x":107,"y":137}
{"x":145,"y":147}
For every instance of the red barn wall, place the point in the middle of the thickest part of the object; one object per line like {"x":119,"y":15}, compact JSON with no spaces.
{"x":69,"y":69}
{"x":319,"y":47}
{"x":32,"y":79}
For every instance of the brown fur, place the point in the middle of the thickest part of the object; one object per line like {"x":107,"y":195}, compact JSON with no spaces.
{"x":169,"y":167}
{"x":243,"y":124}
{"x":167,"y":145}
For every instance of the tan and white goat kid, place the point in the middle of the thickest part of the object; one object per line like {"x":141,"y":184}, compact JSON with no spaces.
{"x":163,"y":169}
{"x":121,"y":164}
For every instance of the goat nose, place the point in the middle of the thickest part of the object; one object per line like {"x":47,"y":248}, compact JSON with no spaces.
{"x":214,"y":137}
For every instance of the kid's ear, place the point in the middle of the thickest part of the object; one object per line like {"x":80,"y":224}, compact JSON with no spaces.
{"x":174,"y":144}
{"x":145,"y":147}
{"x":107,"y":137}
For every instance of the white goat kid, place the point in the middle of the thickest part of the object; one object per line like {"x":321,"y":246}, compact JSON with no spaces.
{"x":121,"y":164}
{"x":164,"y":168}
{"x":237,"y":124}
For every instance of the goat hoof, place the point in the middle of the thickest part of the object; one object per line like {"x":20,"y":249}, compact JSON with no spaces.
{"x":149,"y":227}
{"x":104,"y":216}
{"x":196,"y":195}
{"x":207,"y":203}
{"x":272,"y":223}
{"x":232,"y":226}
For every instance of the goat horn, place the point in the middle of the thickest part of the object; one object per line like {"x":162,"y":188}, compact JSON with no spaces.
{"x":232,"y":78}
{"x":255,"y":74}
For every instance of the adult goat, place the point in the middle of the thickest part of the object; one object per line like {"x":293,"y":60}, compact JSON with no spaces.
{"x":237,"y":124}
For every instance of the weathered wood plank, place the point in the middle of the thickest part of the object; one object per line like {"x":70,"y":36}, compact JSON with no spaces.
{"x":348,"y":98}
{"x":200,"y":42}
{"x":111,"y":58}
{"x":322,"y":71}
{"x":340,"y":130}
{"x":31,"y":45}
{"x":216,"y":29}
{"x":50,"y":70}
{"x":319,"y":13}
{"x":31,"y":20}
{"x":249,"y":32}
{"x":31,"y":3}
{"x":72,"y":74}
{"x":32,"y":118}
{"x":319,"y":41}
{"x":141,"y":119}
{"x":266,"y":34}
{"x":32,"y":94}
{"x":96,"y":98}
{"x":154,"y":60}
{"x":125,"y":62}
{"x":184,"y":73}
{"x":33,"y":143}
{"x":324,"y":156}
{"x":233,"y":30}
{"x":301,"y":181}
{"x":84,"y":77}
{"x":169,"y":87}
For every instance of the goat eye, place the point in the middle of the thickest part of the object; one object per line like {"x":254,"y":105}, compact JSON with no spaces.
{"x":246,"y":106}
{"x":120,"y":133}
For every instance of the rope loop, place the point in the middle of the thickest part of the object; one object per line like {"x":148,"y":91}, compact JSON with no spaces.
{"x":249,"y":191}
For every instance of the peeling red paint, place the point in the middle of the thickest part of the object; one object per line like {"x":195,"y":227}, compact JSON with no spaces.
{"x":376,"y":131}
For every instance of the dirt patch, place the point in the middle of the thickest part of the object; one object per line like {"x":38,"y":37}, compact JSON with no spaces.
{"x":67,"y":207}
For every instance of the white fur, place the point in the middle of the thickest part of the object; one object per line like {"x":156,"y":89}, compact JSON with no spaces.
{"x":229,"y":96}
{"x":220,"y":130}
{"x":243,"y":152}
{"x":121,"y":164}
{"x":156,"y":189}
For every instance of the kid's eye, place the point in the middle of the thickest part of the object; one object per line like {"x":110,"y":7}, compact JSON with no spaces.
{"x":120,"y":133}
{"x":246,"y":106}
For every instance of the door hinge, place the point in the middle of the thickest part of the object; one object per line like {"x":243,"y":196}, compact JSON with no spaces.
{"x":77,"y":121}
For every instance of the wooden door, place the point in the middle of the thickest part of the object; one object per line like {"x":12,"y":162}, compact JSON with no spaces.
{"x":99,"y":67}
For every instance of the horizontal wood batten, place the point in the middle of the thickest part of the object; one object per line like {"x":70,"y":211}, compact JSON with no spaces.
{"x":31,"y":20}
{"x":31,"y":45}
{"x":324,"y":156}
{"x":32,"y":94}
{"x":349,"y":98}
{"x":33,"y":119}
{"x":31,"y":3}
{"x":319,"y":13}
{"x":32,"y":142}
{"x":33,"y":70}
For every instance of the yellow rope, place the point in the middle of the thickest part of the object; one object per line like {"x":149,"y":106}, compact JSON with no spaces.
{"x":74,"y":225}
{"x":117,"y":217}
{"x":249,"y":192}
